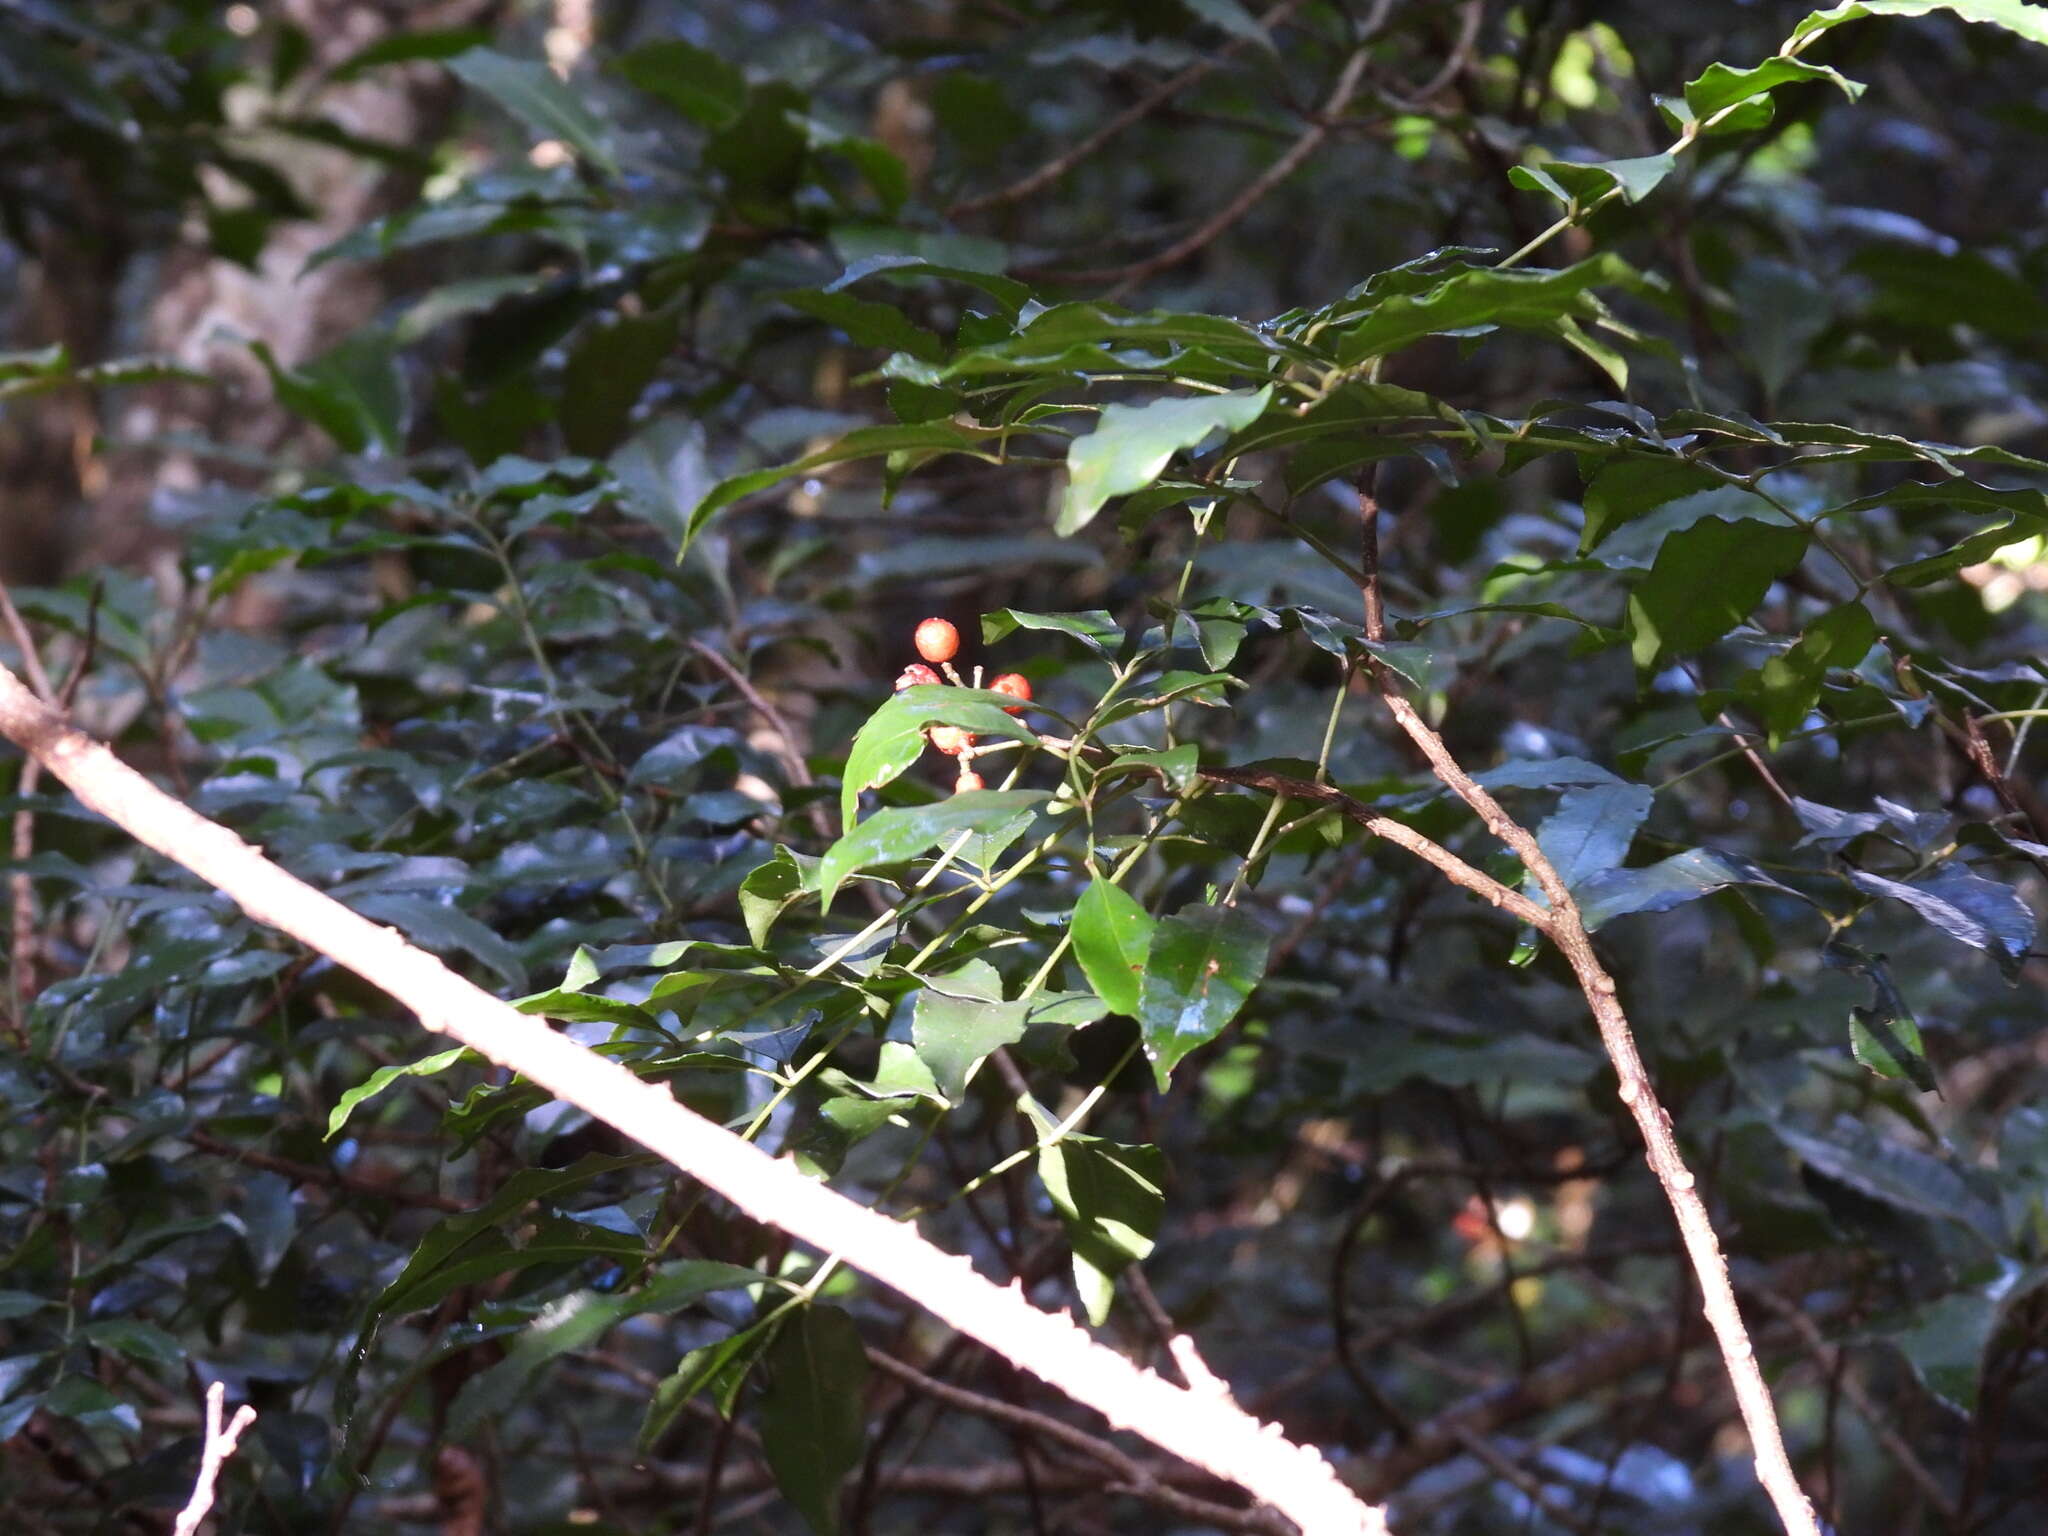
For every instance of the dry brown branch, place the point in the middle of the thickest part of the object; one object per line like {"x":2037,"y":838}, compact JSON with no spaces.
{"x":1209,"y":1431}
{"x":214,"y":1452}
{"x":1567,"y":930}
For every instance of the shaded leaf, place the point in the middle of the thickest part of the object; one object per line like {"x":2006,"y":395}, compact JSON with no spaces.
{"x":538,"y":97}
{"x":813,"y":1426}
{"x":1706,"y":580}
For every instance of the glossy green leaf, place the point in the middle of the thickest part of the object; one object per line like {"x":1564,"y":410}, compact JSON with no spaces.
{"x":1981,"y":913}
{"x":720,"y":1369}
{"x":897,"y":833}
{"x":2029,"y":21}
{"x":894,"y":735}
{"x":1577,"y":184}
{"x":1666,"y":884}
{"x":1706,"y":580}
{"x":1627,"y":489}
{"x":1786,"y":687}
{"x":813,"y":1423}
{"x":384,"y":1077}
{"x":1110,"y":1200}
{"x":1112,"y":936}
{"x":1521,"y":297}
{"x":1202,"y":964}
{"x":1131,"y":444}
{"x":1590,"y":831}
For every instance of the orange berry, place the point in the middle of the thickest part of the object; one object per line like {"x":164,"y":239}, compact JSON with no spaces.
{"x":1017,"y":687}
{"x":914,"y":675}
{"x":937,"y":640}
{"x":951,"y":740}
{"x":968,"y":781}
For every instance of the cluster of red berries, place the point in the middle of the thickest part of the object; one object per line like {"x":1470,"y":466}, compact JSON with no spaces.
{"x":938,"y":642}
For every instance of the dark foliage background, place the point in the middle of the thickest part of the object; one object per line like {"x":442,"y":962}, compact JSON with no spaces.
{"x":366,"y":378}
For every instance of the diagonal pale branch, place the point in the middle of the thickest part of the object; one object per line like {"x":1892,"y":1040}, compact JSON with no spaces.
{"x":1210,"y":1431}
{"x":1567,"y":930}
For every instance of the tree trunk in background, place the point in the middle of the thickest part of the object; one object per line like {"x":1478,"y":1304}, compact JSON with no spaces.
{"x":62,"y":512}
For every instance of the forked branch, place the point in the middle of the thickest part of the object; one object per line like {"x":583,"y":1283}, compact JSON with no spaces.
{"x":1567,"y":929}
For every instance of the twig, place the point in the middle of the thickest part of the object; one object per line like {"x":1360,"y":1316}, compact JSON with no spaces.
{"x":1832,"y":1359}
{"x":218,"y":1446}
{"x":1123,"y":279}
{"x":1136,"y":112}
{"x":1210,"y":1432}
{"x":1567,"y":930}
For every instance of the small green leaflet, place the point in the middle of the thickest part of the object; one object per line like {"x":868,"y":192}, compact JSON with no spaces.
{"x":1133,"y":443}
{"x":1202,"y":965}
{"x":383,"y":1078}
{"x":1112,"y":935}
{"x":1785,"y":688}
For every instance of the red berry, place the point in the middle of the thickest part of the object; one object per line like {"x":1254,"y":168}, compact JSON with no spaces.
{"x":1016,"y":686}
{"x":951,"y":739}
{"x":914,"y":675}
{"x":968,"y":781}
{"x":937,"y":640}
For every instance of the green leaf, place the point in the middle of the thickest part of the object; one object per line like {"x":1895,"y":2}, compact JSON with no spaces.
{"x":1659,"y":887}
{"x":1722,"y":87}
{"x":1097,"y":628}
{"x":1525,"y":297}
{"x":894,"y":735}
{"x":440,"y":927}
{"x":916,"y":441}
{"x":700,"y":85}
{"x":1785,"y":688}
{"x":1133,"y":443}
{"x":1110,"y":1199}
{"x":954,"y":1035}
{"x":867,"y":322}
{"x":1888,"y":1043}
{"x":2029,"y":21}
{"x":1590,"y":831}
{"x":534,"y":94}
{"x":1626,"y":489}
{"x":1176,"y":766}
{"x":1202,"y":964}
{"x":772,"y":888}
{"x":813,"y":1423}
{"x":1706,"y":580}
{"x":1578,"y":184}
{"x":383,"y":1078}
{"x":579,"y":1321}
{"x":895,"y":834}
{"x":1112,"y":936}
{"x":720,"y":1368}
{"x":1981,"y":913}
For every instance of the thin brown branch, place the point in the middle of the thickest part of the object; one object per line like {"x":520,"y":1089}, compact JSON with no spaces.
{"x":332,"y":1178}
{"x":1567,"y":929}
{"x":1453,"y":868}
{"x":1123,"y":279}
{"x":1833,"y":1360}
{"x":1037,"y":181}
{"x":1204,"y":1428}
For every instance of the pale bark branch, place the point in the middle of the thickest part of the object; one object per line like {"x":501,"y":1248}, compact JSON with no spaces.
{"x":1567,"y":929}
{"x":214,"y":1452}
{"x":1208,"y":1431}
